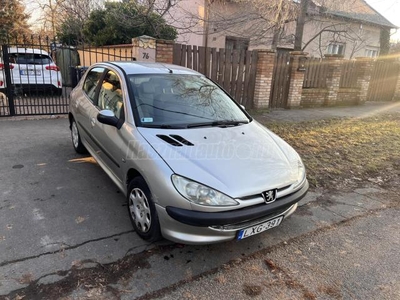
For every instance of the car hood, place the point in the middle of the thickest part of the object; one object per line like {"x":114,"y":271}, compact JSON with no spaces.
{"x":238,"y":161}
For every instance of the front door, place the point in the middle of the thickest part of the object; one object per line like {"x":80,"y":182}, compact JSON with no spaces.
{"x":109,"y":139}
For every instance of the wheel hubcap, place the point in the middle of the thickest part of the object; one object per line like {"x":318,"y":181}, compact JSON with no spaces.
{"x":140,"y":210}
{"x":75,"y":135}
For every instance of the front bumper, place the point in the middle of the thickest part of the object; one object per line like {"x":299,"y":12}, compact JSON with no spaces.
{"x":195,"y":227}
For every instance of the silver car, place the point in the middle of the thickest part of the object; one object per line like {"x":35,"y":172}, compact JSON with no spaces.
{"x":195,"y":167}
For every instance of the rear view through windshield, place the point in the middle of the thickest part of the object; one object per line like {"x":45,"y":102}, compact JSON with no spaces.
{"x":30,"y":58}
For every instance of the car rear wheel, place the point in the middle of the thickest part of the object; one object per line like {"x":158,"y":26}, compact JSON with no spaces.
{"x":142,"y":210}
{"x":76,"y":139}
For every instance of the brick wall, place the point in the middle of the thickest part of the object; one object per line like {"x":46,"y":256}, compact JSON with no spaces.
{"x":265,"y":69}
{"x":313,"y":97}
{"x":333,"y":78}
{"x":296,"y":79}
{"x":396,"y":96}
{"x":164,"y":51}
{"x":347,"y":96}
{"x":317,"y":97}
{"x":364,"y":78}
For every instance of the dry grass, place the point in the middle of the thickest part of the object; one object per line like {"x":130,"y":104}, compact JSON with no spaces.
{"x":345,"y":152}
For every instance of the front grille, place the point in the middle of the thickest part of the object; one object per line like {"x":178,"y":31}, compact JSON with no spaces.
{"x":249,"y":223}
{"x":260,"y":195}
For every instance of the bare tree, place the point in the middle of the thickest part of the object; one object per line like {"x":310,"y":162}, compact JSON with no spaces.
{"x":55,"y":12}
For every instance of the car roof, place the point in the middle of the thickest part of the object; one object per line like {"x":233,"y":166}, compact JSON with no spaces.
{"x":26,"y":50}
{"x":135,"y":67}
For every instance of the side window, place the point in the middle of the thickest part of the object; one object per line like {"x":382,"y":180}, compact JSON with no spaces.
{"x":110,"y":95}
{"x":91,"y":81}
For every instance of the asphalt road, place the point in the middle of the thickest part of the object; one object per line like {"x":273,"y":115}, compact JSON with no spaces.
{"x":65,"y":233}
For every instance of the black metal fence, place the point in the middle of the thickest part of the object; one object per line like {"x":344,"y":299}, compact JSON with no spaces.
{"x":37,"y":74}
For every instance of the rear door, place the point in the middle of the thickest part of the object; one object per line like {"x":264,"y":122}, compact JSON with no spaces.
{"x":85,"y":105}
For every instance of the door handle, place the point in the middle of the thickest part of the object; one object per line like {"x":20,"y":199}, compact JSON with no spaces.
{"x":93,"y":121}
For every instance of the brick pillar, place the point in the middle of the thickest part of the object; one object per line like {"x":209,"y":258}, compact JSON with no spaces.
{"x":365,"y":66}
{"x":265,"y":71}
{"x":334,"y":62}
{"x":396,"y":96}
{"x":165,"y":51}
{"x":297,"y":73}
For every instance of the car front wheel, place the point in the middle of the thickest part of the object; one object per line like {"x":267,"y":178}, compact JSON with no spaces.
{"x":142,"y":210}
{"x":76,"y":139}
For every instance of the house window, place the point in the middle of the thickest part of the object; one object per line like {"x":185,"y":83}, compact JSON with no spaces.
{"x":371,"y":53}
{"x":335,"y":48}
{"x":235,"y":43}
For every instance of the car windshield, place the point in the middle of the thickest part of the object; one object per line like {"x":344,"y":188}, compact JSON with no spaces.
{"x":182,"y":101}
{"x":30,"y":58}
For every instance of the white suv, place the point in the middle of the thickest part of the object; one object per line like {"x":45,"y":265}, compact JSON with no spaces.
{"x":32,"y":70}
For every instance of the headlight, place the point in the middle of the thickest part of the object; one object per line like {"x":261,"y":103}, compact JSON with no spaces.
{"x":301,"y":173}
{"x":201,"y":194}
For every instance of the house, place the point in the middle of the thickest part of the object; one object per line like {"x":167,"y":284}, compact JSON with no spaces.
{"x":351,"y":28}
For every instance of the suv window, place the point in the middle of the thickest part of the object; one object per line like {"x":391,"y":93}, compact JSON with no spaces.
{"x":110,"y":95}
{"x":91,"y":81}
{"x":30,"y":59}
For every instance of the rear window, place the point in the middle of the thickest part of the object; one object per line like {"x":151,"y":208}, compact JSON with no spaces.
{"x":30,"y":58}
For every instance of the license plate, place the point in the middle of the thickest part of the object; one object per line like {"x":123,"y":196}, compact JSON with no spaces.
{"x":31,"y":72}
{"x":245,"y":233}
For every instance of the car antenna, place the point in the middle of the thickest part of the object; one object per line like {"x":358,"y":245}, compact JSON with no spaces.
{"x":169,"y":70}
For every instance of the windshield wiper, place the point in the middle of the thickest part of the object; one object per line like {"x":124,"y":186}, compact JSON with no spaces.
{"x":164,"y":126}
{"x":223,"y":123}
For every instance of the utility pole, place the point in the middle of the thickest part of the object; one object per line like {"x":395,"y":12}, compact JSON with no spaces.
{"x":301,"y":20}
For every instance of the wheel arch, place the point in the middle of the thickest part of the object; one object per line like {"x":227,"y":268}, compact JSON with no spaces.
{"x":132,"y":173}
{"x":70,"y":118}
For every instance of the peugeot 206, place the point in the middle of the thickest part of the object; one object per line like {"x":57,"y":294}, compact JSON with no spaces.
{"x":195,"y":167}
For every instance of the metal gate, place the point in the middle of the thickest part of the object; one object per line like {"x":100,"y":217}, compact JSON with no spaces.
{"x":383,"y":81}
{"x":37,"y":75}
{"x":30,"y":82}
{"x":281,"y":80}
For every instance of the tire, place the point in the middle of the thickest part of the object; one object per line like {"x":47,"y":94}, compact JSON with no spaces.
{"x":142,"y":210}
{"x":76,"y":139}
{"x":58,"y":92}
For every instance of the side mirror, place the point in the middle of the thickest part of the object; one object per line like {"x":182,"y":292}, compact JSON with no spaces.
{"x":242,"y":106}
{"x":107,"y":117}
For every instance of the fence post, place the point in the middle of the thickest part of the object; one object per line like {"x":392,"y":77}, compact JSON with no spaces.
{"x":365,"y":66}
{"x":165,"y":51}
{"x":7,"y":74}
{"x":297,"y":72}
{"x":264,"y":73}
{"x":396,"y":96}
{"x":334,"y":62}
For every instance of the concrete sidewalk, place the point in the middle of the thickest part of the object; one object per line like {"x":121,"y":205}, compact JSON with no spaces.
{"x":368,"y":109}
